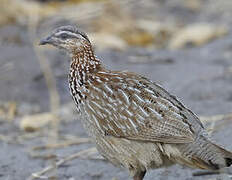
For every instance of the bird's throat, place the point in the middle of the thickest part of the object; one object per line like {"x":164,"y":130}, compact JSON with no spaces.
{"x":83,"y":64}
{"x":84,"y":60}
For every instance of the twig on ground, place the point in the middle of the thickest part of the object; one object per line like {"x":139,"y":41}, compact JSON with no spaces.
{"x":47,"y":156}
{"x":225,"y":170}
{"x":7,"y":139}
{"x":62,"y":144}
{"x":205,"y":173}
{"x":214,"y":119}
{"x":83,"y":153}
{"x":211,"y":128}
{"x":48,"y":75}
{"x":206,"y":119}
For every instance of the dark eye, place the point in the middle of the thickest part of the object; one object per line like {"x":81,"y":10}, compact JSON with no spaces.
{"x":64,"y":36}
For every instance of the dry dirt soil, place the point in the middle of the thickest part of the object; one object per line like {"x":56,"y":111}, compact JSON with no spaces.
{"x":200,"y":77}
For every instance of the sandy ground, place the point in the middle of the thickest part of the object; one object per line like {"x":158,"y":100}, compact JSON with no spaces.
{"x":201,"y":77}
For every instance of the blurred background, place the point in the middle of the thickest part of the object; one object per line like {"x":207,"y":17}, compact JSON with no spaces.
{"x":184,"y":45}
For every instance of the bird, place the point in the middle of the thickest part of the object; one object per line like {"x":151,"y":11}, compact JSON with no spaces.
{"x":135,"y":123}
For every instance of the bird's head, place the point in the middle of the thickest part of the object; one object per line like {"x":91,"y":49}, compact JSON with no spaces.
{"x":68,"y":38}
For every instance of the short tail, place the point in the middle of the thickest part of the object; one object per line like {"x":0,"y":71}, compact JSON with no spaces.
{"x":204,"y":154}
{"x":227,"y":155}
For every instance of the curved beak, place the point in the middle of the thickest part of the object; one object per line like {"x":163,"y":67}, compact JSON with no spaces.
{"x":46,"y":40}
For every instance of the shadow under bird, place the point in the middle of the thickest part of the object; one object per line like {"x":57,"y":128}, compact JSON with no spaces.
{"x":135,"y":123}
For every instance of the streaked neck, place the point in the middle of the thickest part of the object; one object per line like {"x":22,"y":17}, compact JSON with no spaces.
{"x":85,"y":60}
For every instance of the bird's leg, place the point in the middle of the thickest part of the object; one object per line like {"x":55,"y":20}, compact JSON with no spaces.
{"x":139,"y":175}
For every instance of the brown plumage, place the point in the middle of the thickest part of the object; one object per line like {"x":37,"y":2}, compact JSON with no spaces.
{"x":134,"y":122}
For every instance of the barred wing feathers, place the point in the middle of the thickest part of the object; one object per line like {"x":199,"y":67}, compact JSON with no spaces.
{"x":126,"y":105}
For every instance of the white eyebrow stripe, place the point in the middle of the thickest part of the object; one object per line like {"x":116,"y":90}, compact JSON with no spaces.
{"x":67,"y":32}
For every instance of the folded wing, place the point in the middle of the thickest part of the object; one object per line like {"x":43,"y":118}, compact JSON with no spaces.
{"x":132,"y":107}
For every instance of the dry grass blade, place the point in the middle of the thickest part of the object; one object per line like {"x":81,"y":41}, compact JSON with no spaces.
{"x":11,"y":111}
{"x":7,"y":139}
{"x":35,"y":122}
{"x":206,"y":119}
{"x":20,"y":139}
{"x":32,"y":135}
{"x":224,"y":118}
{"x":205,"y":173}
{"x":84,"y":153}
{"x":211,"y":128}
{"x":49,"y":78}
{"x":213,"y":121}
{"x":226,"y":171}
{"x":47,"y":156}
{"x":48,"y":75}
{"x":63,"y":144}
{"x":8,"y":110}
